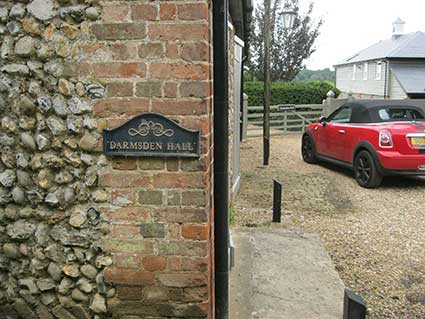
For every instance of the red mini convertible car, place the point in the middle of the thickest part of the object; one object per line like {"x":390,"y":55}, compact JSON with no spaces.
{"x":373,"y":138}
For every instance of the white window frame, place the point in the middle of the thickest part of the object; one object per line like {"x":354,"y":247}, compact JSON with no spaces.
{"x":353,"y":77}
{"x":379,"y":70}
{"x":365,"y":70}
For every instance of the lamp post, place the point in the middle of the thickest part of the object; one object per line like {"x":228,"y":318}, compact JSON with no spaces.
{"x":266,"y":97}
{"x":288,"y":19}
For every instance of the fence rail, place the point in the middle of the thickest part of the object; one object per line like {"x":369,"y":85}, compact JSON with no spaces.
{"x":284,"y":119}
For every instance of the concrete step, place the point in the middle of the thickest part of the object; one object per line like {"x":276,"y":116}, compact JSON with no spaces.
{"x":280,"y":274}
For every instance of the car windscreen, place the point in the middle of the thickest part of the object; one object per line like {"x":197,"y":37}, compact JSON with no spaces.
{"x":392,"y":114}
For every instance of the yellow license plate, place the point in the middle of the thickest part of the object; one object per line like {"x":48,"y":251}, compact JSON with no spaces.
{"x":418,"y":141}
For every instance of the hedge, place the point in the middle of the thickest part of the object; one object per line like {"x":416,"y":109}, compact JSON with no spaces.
{"x":290,"y":92}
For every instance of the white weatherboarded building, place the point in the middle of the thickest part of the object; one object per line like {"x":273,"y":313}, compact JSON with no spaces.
{"x":390,"y":69}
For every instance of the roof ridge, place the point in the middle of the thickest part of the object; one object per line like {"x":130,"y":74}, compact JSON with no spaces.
{"x":409,"y":38}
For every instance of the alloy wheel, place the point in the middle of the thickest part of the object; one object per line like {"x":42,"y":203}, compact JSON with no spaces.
{"x":364,"y":169}
{"x":307,"y":149}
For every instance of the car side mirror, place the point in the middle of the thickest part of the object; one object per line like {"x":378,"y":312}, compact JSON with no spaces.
{"x":323,"y":120}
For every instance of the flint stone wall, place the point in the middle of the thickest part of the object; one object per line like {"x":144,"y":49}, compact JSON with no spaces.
{"x":51,"y":223}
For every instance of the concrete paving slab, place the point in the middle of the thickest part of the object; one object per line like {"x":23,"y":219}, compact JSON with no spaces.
{"x":280,"y":274}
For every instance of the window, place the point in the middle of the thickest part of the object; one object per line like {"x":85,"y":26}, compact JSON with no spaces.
{"x":379,"y":70}
{"x":354,"y":72}
{"x":399,"y":114}
{"x":343,"y":115}
{"x":365,"y":67}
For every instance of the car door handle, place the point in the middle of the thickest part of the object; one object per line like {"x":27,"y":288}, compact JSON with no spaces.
{"x":341,"y":132}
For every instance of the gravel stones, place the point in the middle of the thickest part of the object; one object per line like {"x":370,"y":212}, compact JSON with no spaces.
{"x":44,"y":103}
{"x":18,"y":195}
{"x":59,"y":106}
{"x":78,"y":217}
{"x":17,"y":11}
{"x":4,"y":13}
{"x":42,"y":234}
{"x":46,"y":284}
{"x":15,"y":68}
{"x":95,"y":91}
{"x":26,"y":105}
{"x":77,"y":106}
{"x":42,"y":9}
{"x":28,"y":141}
{"x":54,"y":68}
{"x":89,"y":271}
{"x":30,"y":285}
{"x":56,"y":125}
{"x":84,"y":285}
{"x":6,"y":50}
{"x":88,"y":143}
{"x":42,"y":142}
{"x":98,"y":304}
{"x":376,"y":243}
{"x":55,"y":271}
{"x":92,"y":13}
{"x":8,"y":178}
{"x":25,"y":46}
{"x":65,"y":87}
{"x":20,"y":230}
{"x":71,"y":270}
{"x":78,"y":295}
{"x":70,"y":237}
{"x":65,"y":285}
{"x":11,"y":250}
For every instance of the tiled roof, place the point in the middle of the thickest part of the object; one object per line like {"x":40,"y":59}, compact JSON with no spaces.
{"x":410,"y":45}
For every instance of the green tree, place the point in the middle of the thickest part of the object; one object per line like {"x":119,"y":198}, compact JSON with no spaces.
{"x":315,"y":75}
{"x":289,"y":48}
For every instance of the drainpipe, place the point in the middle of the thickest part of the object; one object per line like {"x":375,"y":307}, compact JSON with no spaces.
{"x":221,"y":160}
{"x":387,"y":79}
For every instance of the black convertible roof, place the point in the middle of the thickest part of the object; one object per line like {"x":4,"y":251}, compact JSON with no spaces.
{"x":380,"y":103}
{"x":364,"y":111}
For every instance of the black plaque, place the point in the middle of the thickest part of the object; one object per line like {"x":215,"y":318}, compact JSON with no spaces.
{"x":151,"y":134}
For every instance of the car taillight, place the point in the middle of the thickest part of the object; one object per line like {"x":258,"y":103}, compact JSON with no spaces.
{"x":385,"y":139}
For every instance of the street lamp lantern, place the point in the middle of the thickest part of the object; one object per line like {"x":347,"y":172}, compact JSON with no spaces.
{"x":288,"y":18}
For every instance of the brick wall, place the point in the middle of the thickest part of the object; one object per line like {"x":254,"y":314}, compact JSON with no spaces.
{"x":156,"y":57}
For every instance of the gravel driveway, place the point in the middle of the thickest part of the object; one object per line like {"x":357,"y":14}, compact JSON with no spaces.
{"x":376,"y":238}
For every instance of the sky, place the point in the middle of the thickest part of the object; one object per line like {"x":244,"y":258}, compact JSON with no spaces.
{"x":352,"y":25}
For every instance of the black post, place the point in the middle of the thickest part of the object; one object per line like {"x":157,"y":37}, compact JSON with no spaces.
{"x":277,"y":201}
{"x":221,"y":158}
{"x":354,"y":306}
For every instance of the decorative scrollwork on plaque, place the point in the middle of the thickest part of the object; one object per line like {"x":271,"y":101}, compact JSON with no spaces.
{"x":145,"y":128}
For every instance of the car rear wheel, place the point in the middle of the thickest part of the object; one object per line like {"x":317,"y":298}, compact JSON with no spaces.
{"x":366,"y":171}
{"x":308,"y":150}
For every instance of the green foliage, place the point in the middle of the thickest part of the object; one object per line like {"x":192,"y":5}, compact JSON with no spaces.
{"x":290,"y":92}
{"x":316,"y":75}
{"x":288,"y":48}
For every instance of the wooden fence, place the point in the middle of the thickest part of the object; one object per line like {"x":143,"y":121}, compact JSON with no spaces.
{"x":284,"y":119}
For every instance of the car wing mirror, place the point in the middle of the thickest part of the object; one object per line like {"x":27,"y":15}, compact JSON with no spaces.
{"x":323,"y":120}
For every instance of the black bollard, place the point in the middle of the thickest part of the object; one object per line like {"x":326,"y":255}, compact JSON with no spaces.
{"x":277,"y":201}
{"x":354,"y":306}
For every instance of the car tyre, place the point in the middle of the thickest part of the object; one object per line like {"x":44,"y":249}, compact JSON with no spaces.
{"x":366,"y":170}
{"x":308,"y":150}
